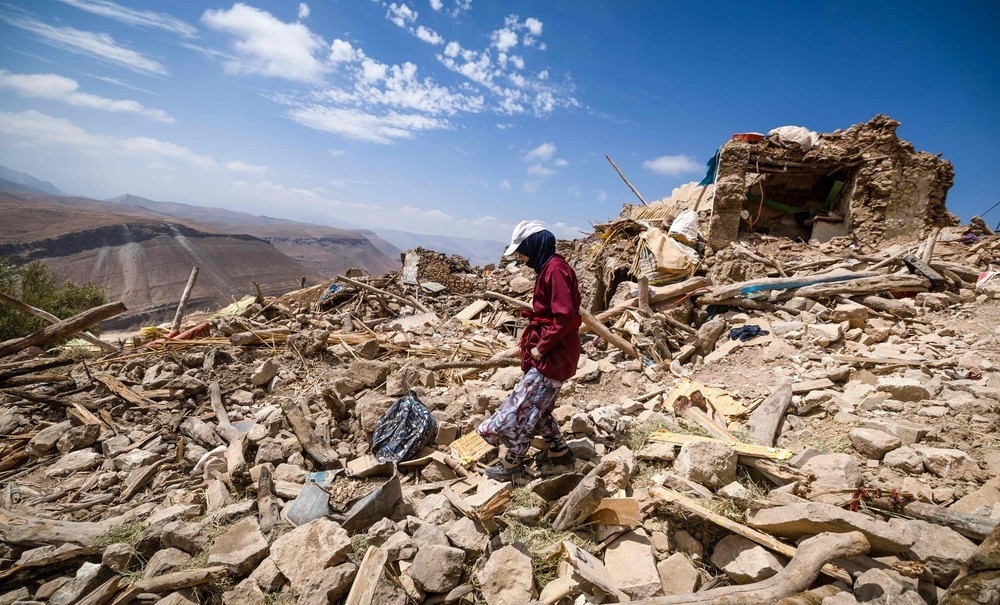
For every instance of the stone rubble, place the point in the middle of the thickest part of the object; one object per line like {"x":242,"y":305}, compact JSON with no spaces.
{"x":181,"y":485}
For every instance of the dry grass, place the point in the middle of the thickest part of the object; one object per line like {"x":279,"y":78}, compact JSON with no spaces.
{"x":638,"y":436}
{"x":127,"y":533}
{"x":539,"y":541}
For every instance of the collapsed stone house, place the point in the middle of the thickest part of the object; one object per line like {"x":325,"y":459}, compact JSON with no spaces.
{"x":864,"y":181}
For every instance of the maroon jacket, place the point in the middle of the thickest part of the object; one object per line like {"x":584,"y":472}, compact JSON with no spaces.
{"x":554,"y":326}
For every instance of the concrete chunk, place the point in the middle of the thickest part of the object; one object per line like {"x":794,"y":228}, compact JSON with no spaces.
{"x":309,"y":549}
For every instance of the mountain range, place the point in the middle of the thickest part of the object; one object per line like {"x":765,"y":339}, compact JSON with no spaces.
{"x":141,"y":251}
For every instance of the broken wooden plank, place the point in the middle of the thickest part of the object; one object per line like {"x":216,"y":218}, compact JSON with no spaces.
{"x":175,"y":327}
{"x":470,"y":448}
{"x":761,"y":286}
{"x":107,"y":348}
{"x":867,"y":285}
{"x":743,"y":449}
{"x":368,"y":576}
{"x":406,"y":301}
{"x":62,"y":329}
{"x":322,"y":453}
{"x":118,"y":388}
{"x":766,"y":419}
{"x":601,"y":330}
{"x":766,"y":540}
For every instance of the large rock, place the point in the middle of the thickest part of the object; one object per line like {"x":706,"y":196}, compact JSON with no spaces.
{"x":165,"y":561}
{"x":873,"y":443}
{"x":309,"y":549}
{"x":73,"y":462}
{"x":507,"y":579}
{"x":436,"y":509}
{"x":835,"y":476}
{"x":77,"y":437}
{"x":941,"y":549}
{"x":678,"y":575}
{"x":46,"y":439}
{"x":241,"y":548}
{"x":630,"y":562}
{"x":883,"y":586}
{"x":905,"y":459}
{"x":908,"y":432}
{"x":903,"y":389}
{"x":801,"y":520}
{"x":613,"y":473}
{"x":438,"y":568}
{"x":369,"y":372}
{"x":947,"y":463}
{"x":744,"y":561}
{"x":710,"y":463}
{"x":370,"y":409}
{"x":88,"y":576}
{"x":327,"y":587}
{"x":465,"y":534}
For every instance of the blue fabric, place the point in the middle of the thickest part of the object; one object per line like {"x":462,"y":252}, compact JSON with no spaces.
{"x":539,"y":248}
{"x":712,"y":167}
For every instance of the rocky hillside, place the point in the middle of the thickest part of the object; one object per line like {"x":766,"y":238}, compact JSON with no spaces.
{"x":323,"y":250}
{"x":142,"y":254}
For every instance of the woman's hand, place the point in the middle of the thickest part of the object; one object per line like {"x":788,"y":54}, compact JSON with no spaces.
{"x":536,"y":354}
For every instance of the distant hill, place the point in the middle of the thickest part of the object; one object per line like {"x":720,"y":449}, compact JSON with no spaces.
{"x":322,"y":249}
{"x":139,"y":257}
{"x":25,"y":180}
{"x":479,"y":251}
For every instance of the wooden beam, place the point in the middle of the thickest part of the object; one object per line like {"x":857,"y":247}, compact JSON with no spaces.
{"x":406,"y":301}
{"x":615,"y":166}
{"x":62,"y":329}
{"x":175,"y":327}
{"x":601,"y":330}
{"x":53,"y":319}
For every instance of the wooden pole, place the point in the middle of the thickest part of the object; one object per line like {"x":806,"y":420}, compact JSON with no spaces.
{"x":929,"y":247}
{"x":406,"y":301}
{"x":613,"y":165}
{"x":507,"y":299}
{"x":644,"y":293}
{"x":601,"y":330}
{"x":53,"y":319}
{"x":62,"y":329}
{"x":175,"y":327}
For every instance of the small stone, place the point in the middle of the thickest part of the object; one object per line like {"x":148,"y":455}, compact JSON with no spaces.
{"x":507,"y":579}
{"x":241,"y":548}
{"x":370,"y":373}
{"x":436,"y":509}
{"x":74,"y":462}
{"x":309,"y":549}
{"x":438,"y":568}
{"x":165,"y":561}
{"x":832,"y":475}
{"x":678,"y":575}
{"x":78,"y":437}
{"x":947,"y":463}
{"x":630,"y":562}
{"x":744,"y":561}
{"x":465,"y":534}
{"x":118,"y":557}
{"x":903,"y":389}
{"x":46,"y":439}
{"x":941,"y":549}
{"x":873,"y":443}
{"x":87,"y":578}
{"x":264,"y":373}
{"x":904,"y":459}
{"x":710,"y":463}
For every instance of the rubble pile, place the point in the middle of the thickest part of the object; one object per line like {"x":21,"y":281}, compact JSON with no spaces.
{"x":793,"y":423}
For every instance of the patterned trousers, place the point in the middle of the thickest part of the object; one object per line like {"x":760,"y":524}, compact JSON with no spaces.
{"x":527,"y":411}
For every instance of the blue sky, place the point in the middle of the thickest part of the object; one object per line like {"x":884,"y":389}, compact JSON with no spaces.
{"x":461,"y":117}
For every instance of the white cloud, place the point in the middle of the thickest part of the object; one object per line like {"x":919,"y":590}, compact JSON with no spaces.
{"x":673,"y":164}
{"x":341,"y":51}
{"x":543,"y":152}
{"x":530,"y":187}
{"x":437,"y":5}
{"x":534,"y":26}
{"x":602,"y":195}
{"x":560,"y":163}
{"x":505,"y":185}
{"x":401,"y":14}
{"x":337,"y":153}
{"x":429,"y":35}
{"x":59,"y":88}
{"x":37,"y":127}
{"x":503,"y":39}
{"x":139,"y":18}
{"x":452,"y":49}
{"x":243,"y":167}
{"x":100,"y":46}
{"x":303,"y":11}
{"x":156,"y":147}
{"x":574,"y":192}
{"x":539,"y":170}
{"x":360,"y":126}
{"x":267,"y":46}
